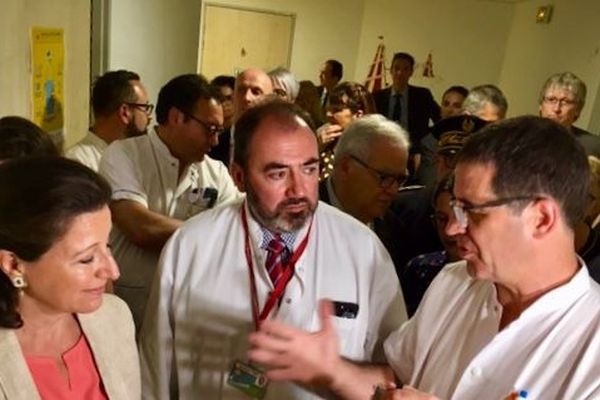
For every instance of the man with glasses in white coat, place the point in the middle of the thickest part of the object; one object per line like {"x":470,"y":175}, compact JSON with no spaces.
{"x":163,"y":178}
{"x":520,"y":316}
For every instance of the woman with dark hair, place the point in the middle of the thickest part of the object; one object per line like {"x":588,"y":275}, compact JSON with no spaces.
{"x":19,"y":137}
{"x":346,"y":102}
{"x":420,"y":271}
{"x":61,"y":336}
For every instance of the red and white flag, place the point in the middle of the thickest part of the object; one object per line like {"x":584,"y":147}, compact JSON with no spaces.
{"x":376,"y":79}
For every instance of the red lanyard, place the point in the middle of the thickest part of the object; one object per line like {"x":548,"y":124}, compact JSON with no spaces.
{"x":288,"y":272}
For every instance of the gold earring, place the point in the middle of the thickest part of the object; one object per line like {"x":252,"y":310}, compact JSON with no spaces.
{"x":19,"y":281}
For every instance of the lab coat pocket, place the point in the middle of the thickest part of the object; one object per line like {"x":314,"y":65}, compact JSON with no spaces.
{"x":348,"y":334}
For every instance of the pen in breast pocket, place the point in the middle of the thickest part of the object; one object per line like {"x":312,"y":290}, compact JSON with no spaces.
{"x":520,"y":395}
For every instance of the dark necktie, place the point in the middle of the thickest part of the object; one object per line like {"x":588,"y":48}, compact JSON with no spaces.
{"x":276,"y":257}
{"x":397,"y":113}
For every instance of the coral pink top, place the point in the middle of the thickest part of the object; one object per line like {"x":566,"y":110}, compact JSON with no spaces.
{"x":83,"y":381}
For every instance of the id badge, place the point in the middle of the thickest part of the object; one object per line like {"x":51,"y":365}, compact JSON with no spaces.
{"x":248,"y":379}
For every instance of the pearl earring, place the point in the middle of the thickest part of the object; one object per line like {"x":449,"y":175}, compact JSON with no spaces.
{"x":19,"y":282}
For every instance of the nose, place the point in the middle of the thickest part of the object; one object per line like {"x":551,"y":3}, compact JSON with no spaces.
{"x":248,"y":96}
{"x":556,"y":107}
{"x":392,"y":189}
{"x":109,"y":268}
{"x":453,"y":227}
{"x":214,"y":140}
{"x":296,"y":185}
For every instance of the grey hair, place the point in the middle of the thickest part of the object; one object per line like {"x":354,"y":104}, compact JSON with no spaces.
{"x":568,"y":81}
{"x":481,"y":95}
{"x":362,"y":132}
{"x":287,"y":80}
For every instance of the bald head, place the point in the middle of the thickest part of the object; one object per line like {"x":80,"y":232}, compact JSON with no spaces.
{"x":250,"y":86}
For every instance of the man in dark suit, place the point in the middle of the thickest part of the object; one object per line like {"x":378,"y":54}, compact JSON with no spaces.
{"x":369,"y":167}
{"x":411,"y":106}
{"x":330,"y":75}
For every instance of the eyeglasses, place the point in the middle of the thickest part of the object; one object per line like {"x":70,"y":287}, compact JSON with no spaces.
{"x":561,"y":102}
{"x":385,"y":180}
{"x":145,"y":107}
{"x":462,"y":210}
{"x":212,"y":129}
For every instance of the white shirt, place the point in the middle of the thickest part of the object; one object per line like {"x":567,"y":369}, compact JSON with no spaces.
{"x":88,"y":151}
{"x":143,"y":170}
{"x":199,"y":312}
{"x":452,"y":347}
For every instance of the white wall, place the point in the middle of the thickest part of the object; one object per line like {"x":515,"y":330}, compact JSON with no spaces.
{"x":156,"y":38}
{"x":571,"y":42}
{"x":467,"y":38}
{"x":16,"y":20}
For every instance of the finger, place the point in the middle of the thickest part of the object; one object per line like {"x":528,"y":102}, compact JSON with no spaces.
{"x":268,"y":342}
{"x":270,"y":359}
{"x":279,"y":329}
{"x":325,"y":315}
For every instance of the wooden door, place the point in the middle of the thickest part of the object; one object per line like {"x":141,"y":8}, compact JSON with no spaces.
{"x":232,"y":39}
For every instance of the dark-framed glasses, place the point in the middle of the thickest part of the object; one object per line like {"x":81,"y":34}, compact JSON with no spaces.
{"x":462,"y":210}
{"x":385,"y":180}
{"x":210,"y":128}
{"x":145,"y":107}
{"x":552,"y":100}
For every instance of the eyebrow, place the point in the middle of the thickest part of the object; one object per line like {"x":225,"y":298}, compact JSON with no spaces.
{"x":81,"y":252}
{"x":277,"y":165}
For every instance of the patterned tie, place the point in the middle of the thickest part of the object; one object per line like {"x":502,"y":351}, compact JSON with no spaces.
{"x":276,"y":257}
{"x":397,"y":113}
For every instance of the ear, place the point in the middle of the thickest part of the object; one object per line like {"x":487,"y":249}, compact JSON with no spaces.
{"x":344,"y":166}
{"x":543,"y":217}
{"x":10,"y":264}
{"x":175,"y":117}
{"x":124,"y":113}
{"x":237,"y":173}
{"x":358,"y":114}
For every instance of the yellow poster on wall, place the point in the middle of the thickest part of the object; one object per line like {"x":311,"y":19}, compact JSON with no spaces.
{"x":47,"y":65}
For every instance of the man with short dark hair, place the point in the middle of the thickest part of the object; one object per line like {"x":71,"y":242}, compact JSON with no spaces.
{"x":520,"y":315}
{"x":163,"y":178}
{"x":330,"y":75}
{"x":226,"y":85}
{"x":271,"y":256}
{"x":121,"y":109}
{"x":412,"y":107}
{"x":561,"y":99}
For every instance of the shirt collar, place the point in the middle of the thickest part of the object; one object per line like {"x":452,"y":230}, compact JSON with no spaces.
{"x":564,"y":295}
{"x":288,"y":238}
{"x":332,"y":197}
{"x":404,"y":93}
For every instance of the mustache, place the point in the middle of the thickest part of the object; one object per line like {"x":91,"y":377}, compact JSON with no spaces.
{"x":294,"y":202}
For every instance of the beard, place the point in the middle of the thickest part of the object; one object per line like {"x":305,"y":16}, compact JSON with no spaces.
{"x":131,"y":130}
{"x":280,"y":220}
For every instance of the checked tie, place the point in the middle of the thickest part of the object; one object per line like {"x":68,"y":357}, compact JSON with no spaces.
{"x":276,"y":257}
